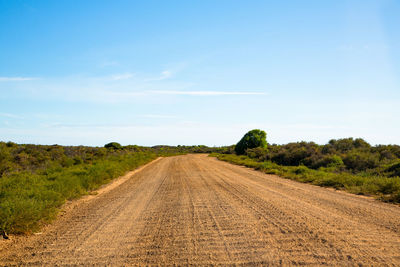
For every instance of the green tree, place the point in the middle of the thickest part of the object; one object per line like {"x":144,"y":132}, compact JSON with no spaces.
{"x":113,"y":145}
{"x":252,"y":139}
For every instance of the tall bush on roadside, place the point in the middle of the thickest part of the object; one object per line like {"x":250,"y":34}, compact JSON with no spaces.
{"x":252,"y":139}
{"x":113,"y":145}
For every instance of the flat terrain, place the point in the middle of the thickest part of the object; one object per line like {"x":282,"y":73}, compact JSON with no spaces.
{"x":197,"y":210}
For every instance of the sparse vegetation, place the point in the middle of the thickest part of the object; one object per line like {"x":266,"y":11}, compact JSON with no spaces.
{"x":30,"y":198}
{"x":35,"y":180}
{"x":387,"y":189}
{"x":350,"y":164}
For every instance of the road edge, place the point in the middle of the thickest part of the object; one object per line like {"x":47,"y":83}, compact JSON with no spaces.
{"x":70,"y":205}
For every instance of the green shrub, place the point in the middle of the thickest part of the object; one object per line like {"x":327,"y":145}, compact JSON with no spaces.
{"x":361,"y":161}
{"x":300,"y":170}
{"x":259,"y":153}
{"x":252,"y":139}
{"x":328,"y":161}
{"x":394,"y":170}
{"x":294,"y":154}
{"x":387,"y":189}
{"x":346,"y":144}
{"x":113,"y":145}
{"x":28,"y":200}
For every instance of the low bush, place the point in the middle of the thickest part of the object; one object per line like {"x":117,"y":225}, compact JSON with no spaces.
{"x":359,"y":161}
{"x":348,"y":154}
{"x":28,"y":200}
{"x":394,"y":170}
{"x":387,"y":189}
{"x":36,"y":179}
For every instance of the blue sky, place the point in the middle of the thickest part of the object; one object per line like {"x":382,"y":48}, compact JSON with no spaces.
{"x":199,"y":72}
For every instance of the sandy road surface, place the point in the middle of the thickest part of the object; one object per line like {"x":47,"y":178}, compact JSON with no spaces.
{"x":196,"y":210}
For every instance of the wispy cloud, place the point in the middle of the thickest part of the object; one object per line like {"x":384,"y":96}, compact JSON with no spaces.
{"x":163,"y":75}
{"x":114,"y":96}
{"x":17,"y":79}
{"x":204,"y":93}
{"x":117,"y":87}
{"x":9,"y":115}
{"x":121,"y":76}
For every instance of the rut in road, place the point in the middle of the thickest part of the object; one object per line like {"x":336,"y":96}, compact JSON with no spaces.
{"x":194,"y":209}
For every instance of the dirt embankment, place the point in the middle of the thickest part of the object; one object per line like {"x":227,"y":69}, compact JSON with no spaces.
{"x":197,"y":210}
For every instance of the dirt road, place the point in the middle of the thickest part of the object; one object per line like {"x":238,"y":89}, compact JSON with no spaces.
{"x":197,"y":210}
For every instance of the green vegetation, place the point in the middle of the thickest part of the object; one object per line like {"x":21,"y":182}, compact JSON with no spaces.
{"x":34,"y":188}
{"x":35,"y":180}
{"x":387,"y":189}
{"x":113,"y":145}
{"x":252,"y":139}
{"x":349,"y":164}
{"x":343,"y":155}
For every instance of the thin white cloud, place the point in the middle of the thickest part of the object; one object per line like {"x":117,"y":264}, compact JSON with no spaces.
{"x":17,"y":79}
{"x":204,"y":93}
{"x":163,"y":75}
{"x":112,"y":96}
{"x":122,"y":76}
{"x":9,"y":115}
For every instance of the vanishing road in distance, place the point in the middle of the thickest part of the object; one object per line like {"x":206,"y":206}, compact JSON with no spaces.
{"x":194,"y":209}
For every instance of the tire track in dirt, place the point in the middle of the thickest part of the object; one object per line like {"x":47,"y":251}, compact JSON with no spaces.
{"x":196,"y":210}
{"x":357,"y":241}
